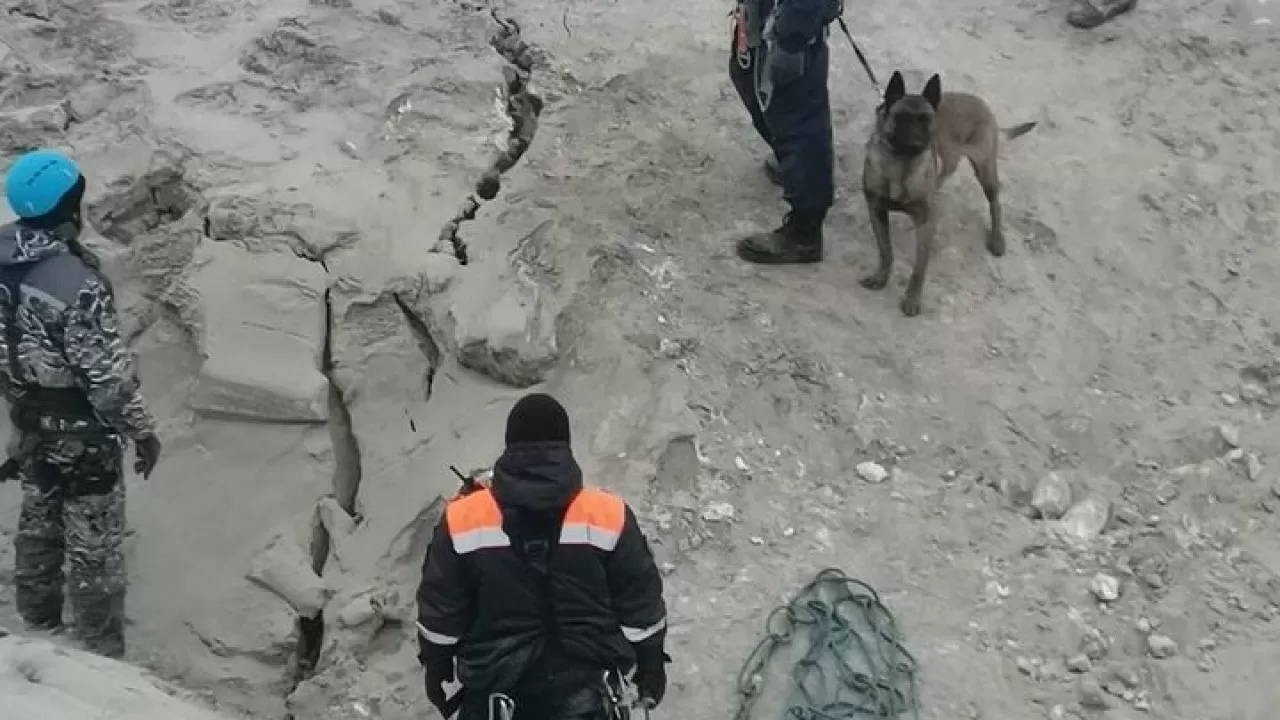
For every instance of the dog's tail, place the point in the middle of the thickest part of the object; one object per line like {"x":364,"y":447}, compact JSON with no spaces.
{"x":1018,"y":130}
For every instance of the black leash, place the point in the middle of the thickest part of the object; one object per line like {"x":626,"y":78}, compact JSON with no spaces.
{"x":861,"y":58}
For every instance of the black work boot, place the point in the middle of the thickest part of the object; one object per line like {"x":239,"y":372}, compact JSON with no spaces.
{"x":797,"y":240}
{"x":773,"y":171}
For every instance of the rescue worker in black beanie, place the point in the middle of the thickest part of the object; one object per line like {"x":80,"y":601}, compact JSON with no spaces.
{"x":535,"y":586}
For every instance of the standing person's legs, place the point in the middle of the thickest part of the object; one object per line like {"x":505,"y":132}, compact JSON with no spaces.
{"x":40,"y":551}
{"x":742,"y":73}
{"x":798,"y":116}
{"x":95,"y":524}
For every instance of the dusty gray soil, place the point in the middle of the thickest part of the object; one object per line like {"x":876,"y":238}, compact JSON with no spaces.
{"x":282,"y":191}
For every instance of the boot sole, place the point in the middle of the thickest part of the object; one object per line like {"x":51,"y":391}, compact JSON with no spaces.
{"x":777,"y":260}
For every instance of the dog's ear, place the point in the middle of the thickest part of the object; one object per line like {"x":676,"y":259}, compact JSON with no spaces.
{"x":933,"y":91}
{"x":896,"y":91}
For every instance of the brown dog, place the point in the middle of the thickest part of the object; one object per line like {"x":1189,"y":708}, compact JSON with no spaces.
{"x":917,"y":143}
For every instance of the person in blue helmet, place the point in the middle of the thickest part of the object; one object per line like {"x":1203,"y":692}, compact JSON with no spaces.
{"x":74,"y":398}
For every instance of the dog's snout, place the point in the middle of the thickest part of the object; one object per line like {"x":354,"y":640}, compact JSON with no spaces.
{"x":911,"y":132}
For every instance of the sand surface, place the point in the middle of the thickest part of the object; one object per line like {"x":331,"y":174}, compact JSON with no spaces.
{"x":282,"y":191}
{"x":45,"y":680}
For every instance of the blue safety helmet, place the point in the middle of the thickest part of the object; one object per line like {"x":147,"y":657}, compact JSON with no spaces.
{"x":38,"y":181}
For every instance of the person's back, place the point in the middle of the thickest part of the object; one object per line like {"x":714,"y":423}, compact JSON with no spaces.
{"x":538,"y":586}
{"x":69,"y":379}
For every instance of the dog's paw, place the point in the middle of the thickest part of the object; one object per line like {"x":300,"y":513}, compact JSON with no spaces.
{"x":911,"y":305}
{"x":875,"y":282}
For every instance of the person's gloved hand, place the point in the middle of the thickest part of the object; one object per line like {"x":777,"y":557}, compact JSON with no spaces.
{"x":148,"y":450}
{"x":651,"y":676}
{"x":785,"y":67}
{"x":435,"y":678}
{"x":9,"y":470}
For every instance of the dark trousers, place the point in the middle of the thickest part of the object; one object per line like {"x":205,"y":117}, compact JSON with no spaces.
{"x":796,"y":124}
{"x":586,"y":703}
{"x":73,"y":513}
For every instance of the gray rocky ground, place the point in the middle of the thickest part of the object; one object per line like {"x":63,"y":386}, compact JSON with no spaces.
{"x":284,"y":193}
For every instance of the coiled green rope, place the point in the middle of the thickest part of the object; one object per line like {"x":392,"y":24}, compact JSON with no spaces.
{"x":854,"y":665}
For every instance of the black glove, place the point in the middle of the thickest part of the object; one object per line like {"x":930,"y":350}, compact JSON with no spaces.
{"x":9,"y":470}
{"x":435,"y":678}
{"x":651,"y":675}
{"x":148,"y":450}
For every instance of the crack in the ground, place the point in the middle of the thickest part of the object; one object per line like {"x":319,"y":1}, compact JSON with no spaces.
{"x":31,"y":13}
{"x":523,"y":107}
{"x":347,"y":474}
{"x":426,"y":341}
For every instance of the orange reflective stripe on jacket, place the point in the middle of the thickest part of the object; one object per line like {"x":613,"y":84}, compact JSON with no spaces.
{"x":594,"y":518}
{"x":475,"y":522}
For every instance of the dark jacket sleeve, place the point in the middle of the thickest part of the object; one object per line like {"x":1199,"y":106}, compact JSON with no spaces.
{"x":636,"y":586}
{"x":444,"y":602}
{"x":798,"y":22}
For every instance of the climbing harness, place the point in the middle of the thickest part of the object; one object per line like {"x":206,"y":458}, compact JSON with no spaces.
{"x":854,"y":664}
{"x":742,"y":44}
{"x":620,"y":695}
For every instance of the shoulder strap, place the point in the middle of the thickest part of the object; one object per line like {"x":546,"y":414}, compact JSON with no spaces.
{"x":537,"y":554}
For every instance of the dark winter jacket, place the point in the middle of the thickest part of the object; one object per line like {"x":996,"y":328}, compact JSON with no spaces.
{"x":69,"y":336}
{"x":483,"y":602}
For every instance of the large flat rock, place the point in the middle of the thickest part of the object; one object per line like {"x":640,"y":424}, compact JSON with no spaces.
{"x":262,"y":336}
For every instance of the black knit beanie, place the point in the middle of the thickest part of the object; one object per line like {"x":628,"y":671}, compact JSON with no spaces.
{"x":537,"y":418}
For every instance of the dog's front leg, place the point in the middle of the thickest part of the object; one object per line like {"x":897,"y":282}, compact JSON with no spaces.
{"x":926,"y":227}
{"x":879,"y":213}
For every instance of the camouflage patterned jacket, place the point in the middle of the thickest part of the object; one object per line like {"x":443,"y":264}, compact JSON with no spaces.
{"x":70,"y":331}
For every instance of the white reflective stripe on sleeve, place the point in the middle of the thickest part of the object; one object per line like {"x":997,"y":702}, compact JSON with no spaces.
{"x":435,"y":637}
{"x":480,"y":538}
{"x":584,"y":534}
{"x":636,"y":635}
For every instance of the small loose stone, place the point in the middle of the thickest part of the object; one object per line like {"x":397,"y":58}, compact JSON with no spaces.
{"x":1161,"y":646}
{"x":1230,"y":434}
{"x":1092,"y":696}
{"x":1253,"y":467}
{"x":1025,"y":666}
{"x":872,"y":472}
{"x":1079,"y":663}
{"x":1105,"y":587}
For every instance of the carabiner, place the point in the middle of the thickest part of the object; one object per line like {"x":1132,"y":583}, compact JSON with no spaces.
{"x":501,"y":707}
